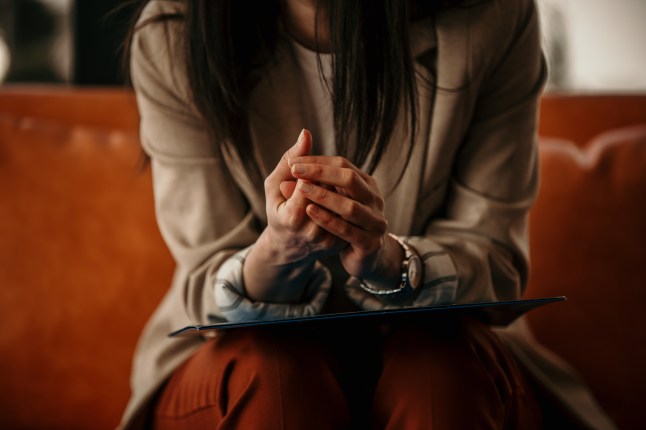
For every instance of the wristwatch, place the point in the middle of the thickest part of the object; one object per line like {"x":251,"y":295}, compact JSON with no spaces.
{"x":411,"y":275}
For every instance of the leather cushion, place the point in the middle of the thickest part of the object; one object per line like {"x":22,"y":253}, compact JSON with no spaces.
{"x":82,"y":262}
{"x":588,"y":236}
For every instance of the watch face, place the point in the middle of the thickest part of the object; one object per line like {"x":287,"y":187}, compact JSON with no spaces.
{"x":415,"y":272}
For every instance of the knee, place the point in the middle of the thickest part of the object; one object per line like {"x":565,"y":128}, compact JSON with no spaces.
{"x":445,"y":367}
{"x":288,"y":376}
{"x":255,"y":379}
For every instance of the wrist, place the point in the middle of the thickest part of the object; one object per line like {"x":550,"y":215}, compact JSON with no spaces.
{"x":270,"y":275}
{"x":387,"y":273}
{"x":281,"y":250}
{"x":409,"y":281}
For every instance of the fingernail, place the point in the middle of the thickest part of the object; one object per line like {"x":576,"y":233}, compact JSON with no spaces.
{"x":313,"y":211}
{"x":300,"y":137}
{"x":305,"y":187}
{"x":298,"y":169}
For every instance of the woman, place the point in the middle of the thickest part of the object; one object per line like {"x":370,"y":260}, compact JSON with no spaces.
{"x":410,"y":185}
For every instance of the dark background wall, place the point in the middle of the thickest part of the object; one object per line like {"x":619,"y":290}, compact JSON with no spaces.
{"x":30,"y":30}
{"x":66,"y":41}
{"x":100,"y":29}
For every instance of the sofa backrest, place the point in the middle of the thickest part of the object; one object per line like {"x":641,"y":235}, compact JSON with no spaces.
{"x":579,"y":119}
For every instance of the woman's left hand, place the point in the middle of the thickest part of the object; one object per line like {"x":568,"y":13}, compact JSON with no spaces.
{"x":347,"y":203}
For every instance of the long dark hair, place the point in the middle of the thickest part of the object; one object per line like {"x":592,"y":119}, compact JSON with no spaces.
{"x":373,"y":74}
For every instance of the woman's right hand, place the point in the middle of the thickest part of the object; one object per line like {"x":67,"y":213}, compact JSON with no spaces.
{"x":279,"y":264}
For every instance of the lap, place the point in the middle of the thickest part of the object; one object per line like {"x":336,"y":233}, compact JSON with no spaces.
{"x":256,"y":379}
{"x":437,"y":371}
{"x":451,"y":373}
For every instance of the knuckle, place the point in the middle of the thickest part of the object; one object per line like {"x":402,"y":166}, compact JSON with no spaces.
{"x":268,"y":182}
{"x":338,"y":161}
{"x":351,"y":178}
{"x":320,"y":193}
{"x":351,"y":209}
{"x":312,"y":235}
{"x":384,"y":225}
{"x":327,"y":243}
{"x":379,"y":201}
{"x":293,"y":221}
{"x":345,"y":229}
{"x":285,"y":158}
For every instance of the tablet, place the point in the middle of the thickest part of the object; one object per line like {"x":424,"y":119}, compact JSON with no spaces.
{"x":494,"y":313}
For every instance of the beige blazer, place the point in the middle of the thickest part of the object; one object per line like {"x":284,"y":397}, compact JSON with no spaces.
{"x":468,"y":187}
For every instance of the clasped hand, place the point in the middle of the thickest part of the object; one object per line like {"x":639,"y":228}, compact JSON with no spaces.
{"x":322,"y":205}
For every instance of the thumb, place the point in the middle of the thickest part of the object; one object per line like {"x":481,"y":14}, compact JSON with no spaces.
{"x":283,"y":171}
{"x":302,"y":147}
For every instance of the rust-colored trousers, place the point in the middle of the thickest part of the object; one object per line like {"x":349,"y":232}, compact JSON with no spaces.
{"x":448,"y":374}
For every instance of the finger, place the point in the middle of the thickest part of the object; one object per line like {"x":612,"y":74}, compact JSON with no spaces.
{"x":282,"y":172}
{"x":301,"y":148}
{"x":322,"y":240}
{"x":287,"y":189}
{"x":315,"y":234}
{"x":347,"y":179}
{"x":336,"y":161}
{"x":293,"y":209}
{"x":359,"y":239}
{"x":349,"y":209}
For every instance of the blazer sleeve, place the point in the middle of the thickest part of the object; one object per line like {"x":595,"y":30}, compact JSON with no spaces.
{"x":477,"y":250}
{"x":203,"y":216}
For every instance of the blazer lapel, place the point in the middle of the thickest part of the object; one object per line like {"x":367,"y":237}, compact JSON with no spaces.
{"x":399,"y":198}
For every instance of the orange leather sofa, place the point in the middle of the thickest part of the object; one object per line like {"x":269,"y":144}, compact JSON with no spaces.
{"x":82,"y":264}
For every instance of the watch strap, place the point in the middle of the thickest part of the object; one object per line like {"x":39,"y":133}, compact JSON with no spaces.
{"x":405,"y":287}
